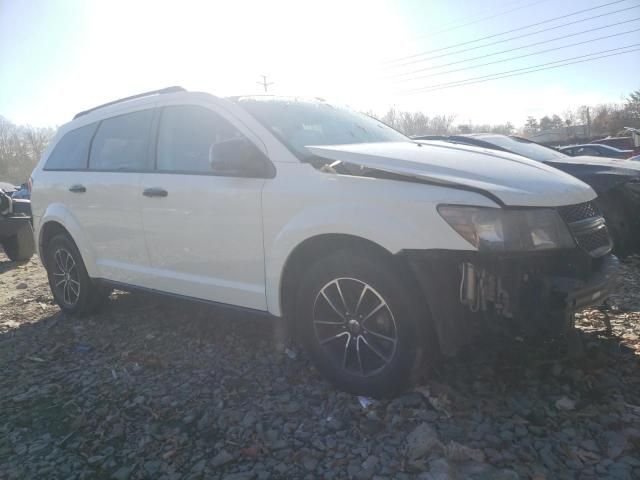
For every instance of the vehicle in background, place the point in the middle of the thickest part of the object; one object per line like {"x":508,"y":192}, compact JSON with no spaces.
{"x":379,"y":250}
{"x":8,"y":188}
{"x":623,"y":143}
{"x":22,"y":192}
{"x":634,"y":159}
{"x":16,"y":231}
{"x":596,"y":150}
{"x":617,"y":182}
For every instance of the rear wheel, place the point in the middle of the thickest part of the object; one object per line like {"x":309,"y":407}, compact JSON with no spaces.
{"x":72,"y":289}
{"x":358,"y":324}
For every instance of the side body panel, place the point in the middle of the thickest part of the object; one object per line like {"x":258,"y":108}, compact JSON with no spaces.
{"x":302,"y":203}
{"x":205,"y":238}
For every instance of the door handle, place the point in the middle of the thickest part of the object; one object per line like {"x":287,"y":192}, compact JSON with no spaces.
{"x":77,"y":188}
{"x":155,"y":192}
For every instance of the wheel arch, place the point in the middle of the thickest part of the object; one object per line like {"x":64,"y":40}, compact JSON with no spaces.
{"x":313,"y":248}
{"x":55,"y":222}
{"x":49,"y":230}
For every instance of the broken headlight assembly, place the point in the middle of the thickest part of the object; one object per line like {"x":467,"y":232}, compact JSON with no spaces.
{"x":508,"y":230}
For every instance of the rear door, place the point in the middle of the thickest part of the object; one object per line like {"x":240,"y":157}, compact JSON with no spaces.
{"x":107,"y":204}
{"x":203,"y":230}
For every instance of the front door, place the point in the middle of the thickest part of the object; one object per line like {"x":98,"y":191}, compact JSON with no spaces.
{"x":203,"y":231}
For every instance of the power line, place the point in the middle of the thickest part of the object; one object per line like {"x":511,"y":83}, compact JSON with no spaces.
{"x":425,"y":69}
{"x":511,"y":73}
{"x":518,"y":36}
{"x":478,"y":20}
{"x":445,"y":84}
{"x":537,"y":70}
{"x":521,"y":56}
{"x":516,"y":30}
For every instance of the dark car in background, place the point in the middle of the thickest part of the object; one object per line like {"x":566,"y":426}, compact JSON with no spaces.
{"x":16,"y":230}
{"x":596,"y":150}
{"x":617,"y":182}
{"x":622,"y":143}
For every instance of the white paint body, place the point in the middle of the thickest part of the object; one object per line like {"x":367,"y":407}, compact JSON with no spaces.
{"x":227,"y":239}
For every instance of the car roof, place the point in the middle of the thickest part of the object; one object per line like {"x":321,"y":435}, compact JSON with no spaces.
{"x":596,"y":145}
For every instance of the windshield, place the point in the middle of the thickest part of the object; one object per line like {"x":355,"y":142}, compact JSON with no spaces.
{"x":526,"y":148}
{"x":302,"y":123}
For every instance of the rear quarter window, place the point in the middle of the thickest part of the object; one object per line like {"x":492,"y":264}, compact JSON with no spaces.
{"x":122,"y":142}
{"x":72,"y":151}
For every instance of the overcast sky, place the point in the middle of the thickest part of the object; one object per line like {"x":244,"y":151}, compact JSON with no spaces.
{"x":58,"y":57}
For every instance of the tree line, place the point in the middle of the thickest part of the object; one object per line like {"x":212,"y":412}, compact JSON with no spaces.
{"x":20,"y":149}
{"x":603,"y":119}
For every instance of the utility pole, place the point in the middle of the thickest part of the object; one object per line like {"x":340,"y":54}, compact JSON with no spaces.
{"x":588,"y":124}
{"x":264,"y":83}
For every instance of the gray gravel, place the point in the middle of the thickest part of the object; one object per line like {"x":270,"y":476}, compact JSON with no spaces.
{"x":154,"y":388}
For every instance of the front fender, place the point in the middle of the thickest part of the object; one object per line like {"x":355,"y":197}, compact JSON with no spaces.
{"x":57,"y":212}
{"x":393,"y":232}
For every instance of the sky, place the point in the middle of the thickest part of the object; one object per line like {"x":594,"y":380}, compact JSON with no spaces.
{"x":58,"y":57}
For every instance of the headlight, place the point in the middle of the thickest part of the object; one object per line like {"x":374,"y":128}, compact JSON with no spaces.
{"x":508,"y":230}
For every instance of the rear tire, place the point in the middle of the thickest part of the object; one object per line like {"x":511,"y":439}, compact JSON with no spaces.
{"x":21,"y":246}
{"x":359,"y":324}
{"x":72,"y":288}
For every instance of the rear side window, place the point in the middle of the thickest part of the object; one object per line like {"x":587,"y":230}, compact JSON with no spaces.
{"x":588,"y":151}
{"x":121,"y":143}
{"x":185,"y":136}
{"x":72,"y":151}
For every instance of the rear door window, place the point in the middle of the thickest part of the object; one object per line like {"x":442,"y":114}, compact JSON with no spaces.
{"x":121,"y":143}
{"x":72,"y":151}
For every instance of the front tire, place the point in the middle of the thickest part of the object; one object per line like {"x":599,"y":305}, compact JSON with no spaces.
{"x":358,"y":323}
{"x":72,"y":289}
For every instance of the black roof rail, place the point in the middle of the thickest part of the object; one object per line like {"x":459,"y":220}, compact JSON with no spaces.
{"x":139,"y":95}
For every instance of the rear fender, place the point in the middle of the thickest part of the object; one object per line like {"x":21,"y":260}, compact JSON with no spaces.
{"x":57,"y":212}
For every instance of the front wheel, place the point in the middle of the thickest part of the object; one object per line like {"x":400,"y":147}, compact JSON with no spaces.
{"x":72,"y":289}
{"x":358,"y":324}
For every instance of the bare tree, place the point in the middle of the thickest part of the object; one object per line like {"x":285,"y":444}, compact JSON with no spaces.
{"x":20,"y":149}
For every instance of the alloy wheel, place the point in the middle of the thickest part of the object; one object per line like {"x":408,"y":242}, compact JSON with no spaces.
{"x":66,"y":277}
{"x":355,"y":326}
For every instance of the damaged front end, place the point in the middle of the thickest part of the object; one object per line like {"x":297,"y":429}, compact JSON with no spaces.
{"x":517,"y":291}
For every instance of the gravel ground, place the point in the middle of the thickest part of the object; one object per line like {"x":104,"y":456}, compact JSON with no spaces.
{"x":155,"y":388}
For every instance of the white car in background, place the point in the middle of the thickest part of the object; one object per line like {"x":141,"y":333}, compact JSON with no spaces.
{"x":379,"y":251}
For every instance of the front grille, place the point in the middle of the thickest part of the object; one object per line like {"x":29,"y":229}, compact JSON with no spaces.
{"x":581,"y":211}
{"x":595,"y":242}
{"x":592,"y":236}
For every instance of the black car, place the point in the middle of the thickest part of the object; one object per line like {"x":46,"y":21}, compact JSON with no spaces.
{"x":617,"y":182}
{"x":596,"y":150}
{"x":16,"y":231}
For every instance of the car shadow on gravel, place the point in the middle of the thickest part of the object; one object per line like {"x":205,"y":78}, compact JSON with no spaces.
{"x":152,"y":387}
{"x":7,"y":265}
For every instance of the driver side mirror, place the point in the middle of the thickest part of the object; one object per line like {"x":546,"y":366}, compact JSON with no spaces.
{"x":238,"y":157}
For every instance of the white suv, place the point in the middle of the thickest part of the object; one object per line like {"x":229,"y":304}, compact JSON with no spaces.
{"x":379,"y":250}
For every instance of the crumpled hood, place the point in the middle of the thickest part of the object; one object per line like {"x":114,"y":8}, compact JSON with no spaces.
{"x":513,"y":179}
